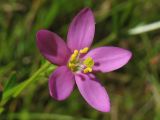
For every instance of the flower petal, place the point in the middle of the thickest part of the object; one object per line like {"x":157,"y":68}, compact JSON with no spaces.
{"x":93,"y":92}
{"x":107,"y":59}
{"x":81,"y":30}
{"x":52,"y":47}
{"x":61,"y":83}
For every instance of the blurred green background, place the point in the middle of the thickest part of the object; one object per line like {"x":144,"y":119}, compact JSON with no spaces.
{"x":134,"y":90}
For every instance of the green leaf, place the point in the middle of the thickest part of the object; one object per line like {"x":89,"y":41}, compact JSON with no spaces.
{"x":11,"y":82}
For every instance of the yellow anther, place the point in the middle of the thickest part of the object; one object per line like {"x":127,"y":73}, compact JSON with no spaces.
{"x":84,"y":50}
{"x":76,"y":64}
{"x":75,"y":52}
{"x":71,"y":65}
{"x":88,"y":62}
{"x":73,"y":57}
{"x":88,"y":69}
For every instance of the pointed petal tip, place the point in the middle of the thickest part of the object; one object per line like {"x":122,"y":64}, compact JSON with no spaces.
{"x":41,"y":31}
{"x":128,"y":55}
{"x":104,"y":109}
{"x":57,"y":98}
{"x":87,"y":9}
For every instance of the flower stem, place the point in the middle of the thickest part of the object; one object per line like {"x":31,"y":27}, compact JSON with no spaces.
{"x":19,"y":88}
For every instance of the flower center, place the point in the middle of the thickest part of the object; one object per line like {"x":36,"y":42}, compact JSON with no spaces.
{"x":77,"y":64}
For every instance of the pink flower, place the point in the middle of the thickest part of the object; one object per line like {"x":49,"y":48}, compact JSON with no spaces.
{"x":76,"y":65}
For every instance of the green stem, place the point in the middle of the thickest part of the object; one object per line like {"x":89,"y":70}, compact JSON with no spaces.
{"x":32,"y":78}
{"x":17,"y":90}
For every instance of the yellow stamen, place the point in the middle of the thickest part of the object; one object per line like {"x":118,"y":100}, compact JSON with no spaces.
{"x":84,"y":50}
{"x":71,"y":65}
{"x":76,"y":64}
{"x":88,"y":69}
{"x":75,"y":52}
{"x":88,"y":62}
{"x":73,"y":57}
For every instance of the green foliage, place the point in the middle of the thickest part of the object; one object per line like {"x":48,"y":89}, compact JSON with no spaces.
{"x":134,"y":90}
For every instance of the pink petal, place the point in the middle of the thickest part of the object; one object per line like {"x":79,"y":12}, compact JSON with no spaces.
{"x":93,"y":92}
{"x":81,"y":30}
{"x":109,"y":58}
{"x":52,"y":47}
{"x":61,"y":83}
